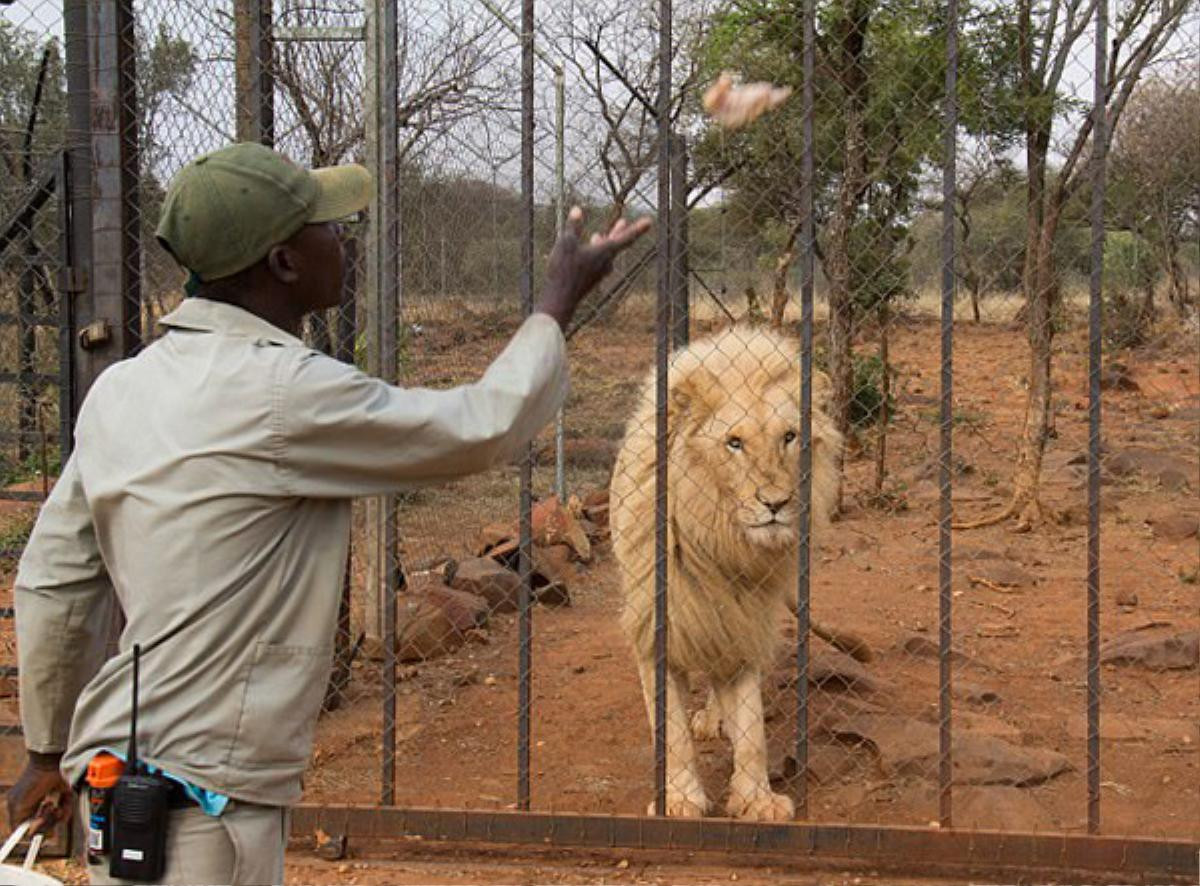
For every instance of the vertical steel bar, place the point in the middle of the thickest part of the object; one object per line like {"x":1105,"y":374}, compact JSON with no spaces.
{"x":662,"y":356}
{"x":28,"y":417}
{"x":945,"y":598}
{"x":376,"y":247}
{"x":807,"y":268}
{"x":116,"y":263}
{"x":525,"y":601}
{"x":27,"y":392}
{"x":76,"y":306}
{"x":343,"y":349}
{"x":560,"y":221}
{"x":389,"y":307}
{"x":66,"y":306}
{"x":1099,"y":152}
{"x":679,"y":237}
{"x":253,"y":71}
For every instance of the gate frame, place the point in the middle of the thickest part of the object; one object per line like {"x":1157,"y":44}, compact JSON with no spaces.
{"x":895,"y":848}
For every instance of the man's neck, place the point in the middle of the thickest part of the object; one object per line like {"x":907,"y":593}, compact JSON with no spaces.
{"x":261,"y":301}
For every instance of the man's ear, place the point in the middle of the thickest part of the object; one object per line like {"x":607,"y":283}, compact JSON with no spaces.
{"x":283,"y":264}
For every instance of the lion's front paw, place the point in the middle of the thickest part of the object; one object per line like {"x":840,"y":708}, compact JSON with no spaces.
{"x":685,"y":798}
{"x":706,"y":724}
{"x":761,"y":804}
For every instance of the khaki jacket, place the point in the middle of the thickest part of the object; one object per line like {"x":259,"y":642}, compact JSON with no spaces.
{"x":209,"y":497}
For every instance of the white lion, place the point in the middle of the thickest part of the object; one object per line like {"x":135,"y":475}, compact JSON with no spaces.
{"x":732,"y":542}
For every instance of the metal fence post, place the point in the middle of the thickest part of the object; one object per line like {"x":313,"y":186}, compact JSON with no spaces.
{"x":78,"y":198}
{"x":662,"y":360}
{"x":525,"y":562}
{"x":807,"y":272}
{"x":113,"y":323}
{"x":946,"y":417}
{"x":255,"y":82}
{"x":1096,"y":285}
{"x":382,"y":297}
{"x":680,"y":271}
{"x":560,"y":220}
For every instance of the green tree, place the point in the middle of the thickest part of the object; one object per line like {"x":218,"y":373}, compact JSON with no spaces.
{"x":1048,"y":38}
{"x":1154,"y":182}
{"x":22,"y":57}
{"x":878,"y":84}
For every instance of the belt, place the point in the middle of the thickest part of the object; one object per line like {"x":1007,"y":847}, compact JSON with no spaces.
{"x":178,"y":798}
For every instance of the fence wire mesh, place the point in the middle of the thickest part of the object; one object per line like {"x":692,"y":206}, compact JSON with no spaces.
{"x":874,"y":306}
{"x":32,"y":186}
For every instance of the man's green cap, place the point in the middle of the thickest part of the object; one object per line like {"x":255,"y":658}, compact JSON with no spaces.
{"x":225,"y":210}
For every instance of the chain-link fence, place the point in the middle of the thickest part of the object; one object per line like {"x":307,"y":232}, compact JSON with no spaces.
{"x":873,"y":557}
{"x":34,"y":240}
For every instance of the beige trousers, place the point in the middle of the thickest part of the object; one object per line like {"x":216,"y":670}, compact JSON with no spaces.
{"x":241,"y":847}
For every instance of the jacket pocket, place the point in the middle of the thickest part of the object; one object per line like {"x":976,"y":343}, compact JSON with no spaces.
{"x":280,"y":706}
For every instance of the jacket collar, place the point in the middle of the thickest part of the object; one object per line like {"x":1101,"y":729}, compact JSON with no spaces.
{"x":206,"y":315}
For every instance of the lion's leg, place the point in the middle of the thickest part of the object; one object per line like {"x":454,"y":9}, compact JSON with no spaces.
{"x":706,"y":722}
{"x":685,"y":791}
{"x":750,"y":794}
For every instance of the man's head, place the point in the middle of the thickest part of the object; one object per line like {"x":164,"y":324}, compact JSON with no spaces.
{"x":246,"y":216}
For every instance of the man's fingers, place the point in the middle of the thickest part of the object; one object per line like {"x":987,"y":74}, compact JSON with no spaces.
{"x":630,"y":232}
{"x":575,"y":221}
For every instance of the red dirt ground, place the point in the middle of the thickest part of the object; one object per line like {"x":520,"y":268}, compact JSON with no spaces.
{"x":876,"y":575}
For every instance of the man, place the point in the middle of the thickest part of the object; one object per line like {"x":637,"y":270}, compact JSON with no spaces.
{"x":208,"y":496}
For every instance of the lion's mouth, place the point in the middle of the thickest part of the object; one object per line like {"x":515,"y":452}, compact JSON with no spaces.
{"x":774,"y":521}
{"x":770,"y":532}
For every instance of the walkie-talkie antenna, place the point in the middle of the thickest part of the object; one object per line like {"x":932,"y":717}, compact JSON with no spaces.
{"x":133,"y":760}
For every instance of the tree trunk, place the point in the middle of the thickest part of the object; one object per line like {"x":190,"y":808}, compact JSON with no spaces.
{"x":841,"y":328}
{"x":783,"y":264}
{"x":886,"y":390}
{"x":969,"y":275}
{"x":852,"y":31}
{"x":1042,"y":291}
{"x":1040,"y":284}
{"x":1178,"y":293}
{"x":1041,"y":295}
{"x":754,"y":311}
{"x":1147,"y":314}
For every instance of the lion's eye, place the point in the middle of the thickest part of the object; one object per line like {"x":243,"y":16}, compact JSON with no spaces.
{"x":734,"y":444}
{"x":789,"y":438}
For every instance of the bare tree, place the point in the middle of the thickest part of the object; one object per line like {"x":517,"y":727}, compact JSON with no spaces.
{"x":982,"y":172}
{"x":610,"y":48}
{"x":446,"y":74}
{"x":1156,"y":189}
{"x":849,"y":69}
{"x":1049,"y":35}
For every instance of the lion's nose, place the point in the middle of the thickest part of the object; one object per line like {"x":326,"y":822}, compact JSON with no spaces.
{"x":773,"y":501}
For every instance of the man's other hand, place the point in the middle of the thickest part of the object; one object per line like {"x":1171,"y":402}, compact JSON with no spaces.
{"x":40,"y":793}
{"x":576,"y":267}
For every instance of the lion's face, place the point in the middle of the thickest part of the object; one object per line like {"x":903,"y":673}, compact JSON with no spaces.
{"x":750,"y":443}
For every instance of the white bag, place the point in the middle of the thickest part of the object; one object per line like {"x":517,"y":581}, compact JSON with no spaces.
{"x":11,"y":875}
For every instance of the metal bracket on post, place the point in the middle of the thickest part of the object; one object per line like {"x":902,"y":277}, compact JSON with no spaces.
{"x":95,"y":335}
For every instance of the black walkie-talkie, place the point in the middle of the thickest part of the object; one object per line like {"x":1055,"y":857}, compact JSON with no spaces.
{"x":140,"y":808}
